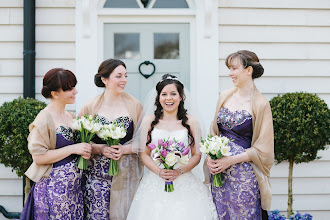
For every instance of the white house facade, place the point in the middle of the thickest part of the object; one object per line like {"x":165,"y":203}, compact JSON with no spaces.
{"x":291,"y":38}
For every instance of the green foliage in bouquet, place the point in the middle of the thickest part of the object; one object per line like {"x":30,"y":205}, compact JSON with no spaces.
{"x":301,"y":129}
{"x":15,"y":117}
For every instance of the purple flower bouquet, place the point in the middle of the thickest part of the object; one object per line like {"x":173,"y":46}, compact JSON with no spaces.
{"x":169,"y":153}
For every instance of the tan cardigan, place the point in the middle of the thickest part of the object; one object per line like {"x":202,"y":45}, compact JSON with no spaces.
{"x":42,"y":138}
{"x":125,"y":183}
{"x":261,"y":152}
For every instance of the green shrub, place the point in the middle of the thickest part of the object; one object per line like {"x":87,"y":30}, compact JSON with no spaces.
{"x":301,"y":129}
{"x":15,"y":117}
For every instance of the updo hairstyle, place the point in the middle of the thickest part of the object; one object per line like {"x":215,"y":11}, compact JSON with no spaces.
{"x":105,"y":69}
{"x":56,"y":79}
{"x":247,"y":58}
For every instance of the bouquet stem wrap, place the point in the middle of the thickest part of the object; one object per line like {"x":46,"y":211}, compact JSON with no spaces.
{"x":217,"y":180}
{"x":168,"y":185}
{"x":113,"y":167}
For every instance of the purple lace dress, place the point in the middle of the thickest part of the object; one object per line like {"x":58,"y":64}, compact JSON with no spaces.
{"x":97,"y":181}
{"x":239,"y":197}
{"x":60,"y":196}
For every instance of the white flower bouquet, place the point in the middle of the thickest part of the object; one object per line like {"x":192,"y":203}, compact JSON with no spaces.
{"x":216,"y":147}
{"x":112,"y":133}
{"x":169,"y":153}
{"x":88,"y":126}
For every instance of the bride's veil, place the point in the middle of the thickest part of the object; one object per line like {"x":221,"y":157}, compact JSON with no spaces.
{"x":140,"y":136}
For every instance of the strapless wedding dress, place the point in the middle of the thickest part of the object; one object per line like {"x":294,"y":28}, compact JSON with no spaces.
{"x":191,"y":199}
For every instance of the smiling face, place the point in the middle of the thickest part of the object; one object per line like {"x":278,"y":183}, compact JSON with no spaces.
{"x":117,"y":80}
{"x":170,"y":98}
{"x":65,"y":97}
{"x":238,"y":74}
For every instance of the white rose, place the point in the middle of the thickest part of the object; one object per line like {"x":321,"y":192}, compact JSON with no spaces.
{"x":116,"y":133}
{"x":203,"y":149}
{"x":102,"y":134}
{"x":88,"y":125}
{"x":76,"y":125}
{"x":213,"y":148}
{"x":225,"y":150}
{"x":184,"y":160}
{"x":123,"y":132}
{"x":97,"y":127}
{"x":171,"y":159}
{"x":226,"y":141}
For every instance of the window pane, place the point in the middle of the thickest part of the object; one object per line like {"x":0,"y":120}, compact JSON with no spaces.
{"x":127,"y":46}
{"x":121,"y":4}
{"x":171,"y":4}
{"x":166,"y":46}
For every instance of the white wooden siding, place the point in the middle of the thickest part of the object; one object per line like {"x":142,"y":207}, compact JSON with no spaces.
{"x":292,"y":40}
{"x":55,"y":47}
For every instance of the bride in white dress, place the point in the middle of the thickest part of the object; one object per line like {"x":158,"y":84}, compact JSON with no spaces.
{"x":191,"y":199}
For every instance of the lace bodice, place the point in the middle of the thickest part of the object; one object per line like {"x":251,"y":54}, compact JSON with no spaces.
{"x":179,"y":135}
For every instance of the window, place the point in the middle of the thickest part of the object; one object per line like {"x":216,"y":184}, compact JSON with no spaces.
{"x":146,"y":4}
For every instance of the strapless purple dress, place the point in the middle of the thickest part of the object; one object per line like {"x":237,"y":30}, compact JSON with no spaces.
{"x":97,"y":181}
{"x":59,"y":196}
{"x":239,"y":197}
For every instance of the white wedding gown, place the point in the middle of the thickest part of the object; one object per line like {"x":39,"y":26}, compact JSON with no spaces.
{"x":191,"y":199}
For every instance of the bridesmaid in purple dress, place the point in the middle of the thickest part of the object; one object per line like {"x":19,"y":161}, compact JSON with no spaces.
{"x":244,"y":115}
{"x":105,"y":196}
{"x":57,"y":192}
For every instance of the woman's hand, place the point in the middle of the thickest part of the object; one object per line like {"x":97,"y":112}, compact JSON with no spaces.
{"x":169,"y":175}
{"x":114,"y":152}
{"x":83,"y":149}
{"x":219,"y":165}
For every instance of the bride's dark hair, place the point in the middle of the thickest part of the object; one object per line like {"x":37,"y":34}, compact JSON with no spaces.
{"x":182,"y":112}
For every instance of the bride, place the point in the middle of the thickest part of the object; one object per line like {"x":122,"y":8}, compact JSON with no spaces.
{"x":190,"y":199}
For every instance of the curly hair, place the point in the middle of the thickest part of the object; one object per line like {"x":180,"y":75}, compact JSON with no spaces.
{"x":182,"y":112}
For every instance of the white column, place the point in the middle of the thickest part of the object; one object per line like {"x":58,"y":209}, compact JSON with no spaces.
{"x":207,"y":77}
{"x":86,"y":50}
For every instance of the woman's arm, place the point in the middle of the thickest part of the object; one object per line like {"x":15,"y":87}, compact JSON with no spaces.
{"x":219,"y":165}
{"x":53,"y":156}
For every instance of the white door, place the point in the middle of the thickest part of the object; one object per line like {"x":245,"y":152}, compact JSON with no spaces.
{"x":162,"y":48}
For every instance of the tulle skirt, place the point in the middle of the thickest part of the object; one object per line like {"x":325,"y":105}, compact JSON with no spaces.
{"x":191,"y":199}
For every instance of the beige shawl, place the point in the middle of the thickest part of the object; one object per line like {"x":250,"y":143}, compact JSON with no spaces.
{"x":125,"y":183}
{"x":42,"y":138}
{"x":261,"y":152}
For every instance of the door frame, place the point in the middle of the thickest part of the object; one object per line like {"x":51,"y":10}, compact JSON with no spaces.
{"x":204,"y":59}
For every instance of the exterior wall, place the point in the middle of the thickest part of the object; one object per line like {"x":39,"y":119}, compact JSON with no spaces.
{"x":291,"y":38}
{"x":292,"y":42}
{"x":55,"y":47}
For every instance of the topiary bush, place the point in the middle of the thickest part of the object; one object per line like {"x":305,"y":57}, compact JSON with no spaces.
{"x":15,"y":117}
{"x":301,"y":129}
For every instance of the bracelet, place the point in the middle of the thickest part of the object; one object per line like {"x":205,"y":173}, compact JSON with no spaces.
{"x":180,"y":170}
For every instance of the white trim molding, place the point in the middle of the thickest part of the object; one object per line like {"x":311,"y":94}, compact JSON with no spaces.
{"x":204,"y":59}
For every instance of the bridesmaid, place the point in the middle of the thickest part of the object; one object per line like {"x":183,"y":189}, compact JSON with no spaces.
{"x":244,"y":115}
{"x":105,"y":196}
{"x":57,"y":192}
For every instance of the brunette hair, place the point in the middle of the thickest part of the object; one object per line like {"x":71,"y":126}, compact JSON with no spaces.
{"x":247,"y":58}
{"x":182,"y":112}
{"x":105,"y":69}
{"x":56,"y":79}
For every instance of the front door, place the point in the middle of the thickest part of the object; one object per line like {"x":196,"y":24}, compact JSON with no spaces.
{"x":158,"y":48}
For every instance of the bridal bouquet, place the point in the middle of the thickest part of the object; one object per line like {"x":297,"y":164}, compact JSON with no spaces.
{"x":112,"y":133}
{"x":169,"y":153}
{"x":88,"y":127}
{"x":216,"y":147}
